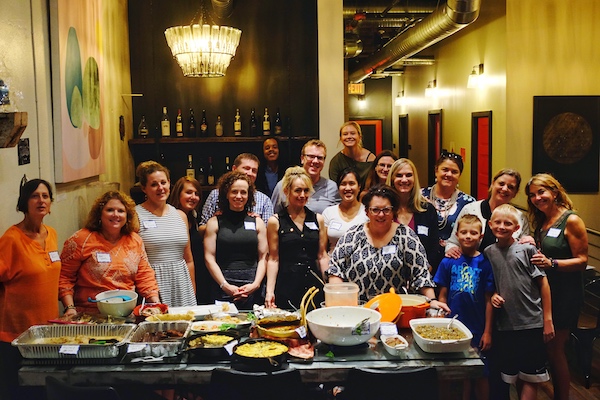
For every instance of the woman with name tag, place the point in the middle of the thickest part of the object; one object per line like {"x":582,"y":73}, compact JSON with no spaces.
{"x":235,"y":244}
{"x":164,"y":230}
{"x":29,"y":269}
{"x":382,"y":253}
{"x":339,"y":218}
{"x":561,"y":238}
{"x":107,"y":254}
{"x":415,"y":211}
{"x":297,"y":245}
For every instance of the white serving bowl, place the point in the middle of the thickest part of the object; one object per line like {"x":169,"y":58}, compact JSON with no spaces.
{"x":394,"y":350}
{"x":337,"y":325}
{"x":441,"y":346}
{"x":116,"y":307}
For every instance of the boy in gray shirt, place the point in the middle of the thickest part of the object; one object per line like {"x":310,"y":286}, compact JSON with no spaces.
{"x":523,"y":306}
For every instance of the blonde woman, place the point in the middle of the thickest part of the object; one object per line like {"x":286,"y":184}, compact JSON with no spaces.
{"x":297,"y":240}
{"x":353,"y":154}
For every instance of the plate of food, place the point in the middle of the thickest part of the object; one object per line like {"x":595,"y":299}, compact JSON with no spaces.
{"x":394,"y":344}
{"x":148,"y":309}
{"x":206,"y":311}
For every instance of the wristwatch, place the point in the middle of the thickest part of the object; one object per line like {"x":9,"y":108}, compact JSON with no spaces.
{"x":554,"y":263}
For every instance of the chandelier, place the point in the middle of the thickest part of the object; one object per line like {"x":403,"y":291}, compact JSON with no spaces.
{"x":203,"y":50}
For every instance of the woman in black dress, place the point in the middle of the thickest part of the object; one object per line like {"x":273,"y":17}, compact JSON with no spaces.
{"x":235,"y":244}
{"x":297,"y":244}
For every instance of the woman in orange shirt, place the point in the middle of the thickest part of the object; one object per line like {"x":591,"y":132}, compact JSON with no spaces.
{"x":29,"y":269}
{"x":107,"y":254}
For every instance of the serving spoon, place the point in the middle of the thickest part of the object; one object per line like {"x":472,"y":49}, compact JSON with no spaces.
{"x":120,"y":296}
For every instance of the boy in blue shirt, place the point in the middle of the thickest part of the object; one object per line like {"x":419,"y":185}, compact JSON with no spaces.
{"x":523,"y":314}
{"x":466,"y":285}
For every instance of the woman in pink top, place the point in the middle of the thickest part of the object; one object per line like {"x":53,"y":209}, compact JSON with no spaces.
{"x":107,"y":254}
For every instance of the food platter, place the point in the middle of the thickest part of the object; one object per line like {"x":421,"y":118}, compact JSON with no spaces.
{"x":441,"y":345}
{"x":201,"y":345}
{"x":144,"y":342}
{"x":204,"y":311}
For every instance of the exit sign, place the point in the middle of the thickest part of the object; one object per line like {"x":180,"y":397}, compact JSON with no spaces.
{"x":356,"y":88}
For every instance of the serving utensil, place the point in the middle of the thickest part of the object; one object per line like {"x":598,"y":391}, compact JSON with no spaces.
{"x":452,"y":321}
{"x":120,"y":296}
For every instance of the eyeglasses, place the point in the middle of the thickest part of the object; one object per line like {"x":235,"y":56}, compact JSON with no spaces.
{"x":382,"y":165}
{"x":376,"y":210}
{"x":311,"y":157}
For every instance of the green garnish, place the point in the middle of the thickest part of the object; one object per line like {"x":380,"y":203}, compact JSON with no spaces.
{"x":330,"y":354}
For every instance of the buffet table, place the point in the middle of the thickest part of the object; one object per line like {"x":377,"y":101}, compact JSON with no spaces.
{"x":330,"y":365}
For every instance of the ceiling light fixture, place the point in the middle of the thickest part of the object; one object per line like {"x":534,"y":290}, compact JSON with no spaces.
{"x":203,"y":50}
{"x":400,"y":99}
{"x":475,"y":77}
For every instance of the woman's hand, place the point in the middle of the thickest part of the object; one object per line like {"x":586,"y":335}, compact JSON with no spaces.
{"x":453,"y":252}
{"x":527,"y":239}
{"x":439,"y":304}
{"x":270,"y":300}
{"x":497,"y":300}
{"x":541,"y":261}
{"x":71,"y":312}
{"x":244,"y":291}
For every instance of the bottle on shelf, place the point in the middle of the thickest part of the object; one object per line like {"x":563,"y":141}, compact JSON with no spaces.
{"x":227,"y":165}
{"x":278,"y":124}
{"x":253,"y":123}
{"x":266,"y":123}
{"x":143,"y":128}
{"x":201,"y":176}
{"x":218,"y":127}
{"x":203,"y":125}
{"x":237,"y":124}
{"x":190,"y":171}
{"x":179,"y":124}
{"x":165,"y":124}
{"x":211,"y":173}
{"x":192,"y":124}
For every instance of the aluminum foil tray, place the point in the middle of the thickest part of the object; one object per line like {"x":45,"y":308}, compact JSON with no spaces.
{"x":157,"y":349}
{"x":26,"y":342}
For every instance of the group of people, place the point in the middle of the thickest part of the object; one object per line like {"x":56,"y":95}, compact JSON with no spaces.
{"x":372,"y":224}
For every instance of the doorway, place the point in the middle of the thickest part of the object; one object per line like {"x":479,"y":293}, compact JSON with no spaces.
{"x":434,"y":142}
{"x":481,"y":157}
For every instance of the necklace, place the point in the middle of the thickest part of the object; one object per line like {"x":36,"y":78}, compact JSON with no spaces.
{"x":443,"y":206}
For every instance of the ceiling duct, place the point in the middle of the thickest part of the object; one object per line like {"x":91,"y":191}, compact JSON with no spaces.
{"x":443,"y":22}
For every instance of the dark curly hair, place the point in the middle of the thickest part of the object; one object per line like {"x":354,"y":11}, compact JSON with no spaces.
{"x":385,"y":191}
{"x":93,"y":219}
{"x":225,"y":183}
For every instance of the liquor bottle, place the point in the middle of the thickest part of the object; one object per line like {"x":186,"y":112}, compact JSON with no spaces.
{"x":192,"y":124}
{"x":143,"y":128}
{"x":278,"y":125}
{"x":201,"y":176}
{"x":211,"y":173}
{"x":253,"y":123}
{"x":227,"y":165}
{"x":266,"y":123}
{"x":179,"y":124}
{"x":218,"y":127}
{"x":190,"y":171}
{"x":203,"y":125}
{"x":237,"y":124}
{"x":165,"y":123}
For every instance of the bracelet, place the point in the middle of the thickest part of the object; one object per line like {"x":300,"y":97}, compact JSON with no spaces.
{"x":71,"y":307}
{"x":432,"y":299}
{"x":554,"y":263}
{"x":222,"y":284}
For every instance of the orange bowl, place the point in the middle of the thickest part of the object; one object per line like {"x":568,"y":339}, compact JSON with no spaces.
{"x":389,"y":305}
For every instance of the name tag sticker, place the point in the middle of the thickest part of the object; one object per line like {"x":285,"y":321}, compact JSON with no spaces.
{"x":336,"y":226}
{"x":249,"y":225}
{"x":54,"y":256}
{"x":553,"y":232}
{"x":389,"y":249}
{"x":422,"y":230}
{"x":149,"y":224}
{"x":311,"y":225}
{"x":301,"y":331}
{"x":69,"y":349}
{"x":103,"y":257}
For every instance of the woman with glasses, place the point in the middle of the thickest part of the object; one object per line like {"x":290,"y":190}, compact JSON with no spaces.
{"x":297,"y":240}
{"x":382,"y":253}
{"x":350,"y":212}
{"x":353,"y":154}
{"x":445,"y":196}
{"x":379,"y":170}
{"x":414,"y":210}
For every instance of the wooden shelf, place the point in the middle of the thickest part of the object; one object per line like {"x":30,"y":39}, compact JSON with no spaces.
{"x":12,"y":126}
{"x":222,"y":139}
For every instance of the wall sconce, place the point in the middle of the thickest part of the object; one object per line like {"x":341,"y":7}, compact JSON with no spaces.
{"x":399,"y":99}
{"x":430,"y":90}
{"x":475,"y":77}
{"x":362,"y":101}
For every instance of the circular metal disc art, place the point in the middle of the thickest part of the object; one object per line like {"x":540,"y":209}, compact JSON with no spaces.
{"x":567,"y":138}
